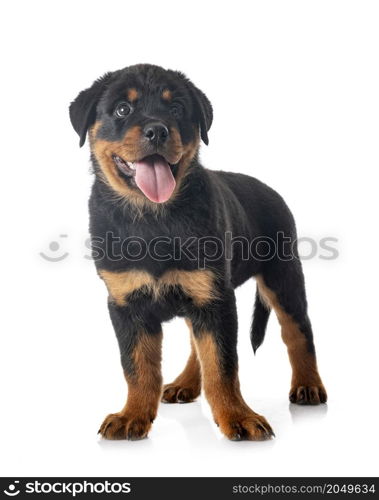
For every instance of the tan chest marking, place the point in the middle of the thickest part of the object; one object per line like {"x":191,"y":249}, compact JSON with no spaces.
{"x":199,"y":285}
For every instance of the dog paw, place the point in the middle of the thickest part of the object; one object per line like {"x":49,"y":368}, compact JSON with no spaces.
{"x":123,"y":426}
{"x":308,"y":394}
{"x":178,"y":394}
{"x":248,"y":426}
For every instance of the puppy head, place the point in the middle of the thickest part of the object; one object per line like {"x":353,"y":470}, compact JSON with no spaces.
{"x":144,"y":125}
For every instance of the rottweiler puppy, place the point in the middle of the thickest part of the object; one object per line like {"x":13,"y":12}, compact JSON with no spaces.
{"x":171,"y":238}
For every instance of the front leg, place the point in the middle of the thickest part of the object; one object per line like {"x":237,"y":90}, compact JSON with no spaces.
{"x":215,"y":337}
{"x":140,"y":347}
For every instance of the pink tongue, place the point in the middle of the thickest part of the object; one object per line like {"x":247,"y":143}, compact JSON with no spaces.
{"x":154,"y":178}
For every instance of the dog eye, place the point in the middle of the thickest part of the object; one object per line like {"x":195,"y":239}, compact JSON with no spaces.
{"x":122,"y":110}
{"x":176,"y":110}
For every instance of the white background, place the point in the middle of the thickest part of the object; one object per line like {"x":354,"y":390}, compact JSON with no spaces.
{"x":294,"y":86}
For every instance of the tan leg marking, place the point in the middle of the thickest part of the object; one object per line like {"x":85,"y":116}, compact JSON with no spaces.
{"x":306,"y":385}
{"x":231,"y":413}
{"x":187,"y":386}
{"x":144,"y":393}
{"x":199,"y":285}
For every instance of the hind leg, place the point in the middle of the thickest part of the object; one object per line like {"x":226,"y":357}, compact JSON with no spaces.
{"x":186,"y":387}
{"x":283,"y":290}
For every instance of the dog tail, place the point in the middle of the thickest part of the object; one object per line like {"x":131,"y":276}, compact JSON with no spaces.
{"x":260,"y":320}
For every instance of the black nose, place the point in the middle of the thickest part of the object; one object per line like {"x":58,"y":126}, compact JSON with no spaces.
{"x":156,"y":132}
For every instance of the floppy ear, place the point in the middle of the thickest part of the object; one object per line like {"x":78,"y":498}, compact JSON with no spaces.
{"x":203,"y":107}
{"x":204,"y":111}
{"x":83,"y":109}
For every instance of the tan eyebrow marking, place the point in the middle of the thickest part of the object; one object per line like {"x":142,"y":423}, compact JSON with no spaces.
{"x":167,"y":95}
{"x":132,"y":94}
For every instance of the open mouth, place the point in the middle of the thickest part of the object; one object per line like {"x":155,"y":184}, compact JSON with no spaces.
{"x":154,"y":176}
